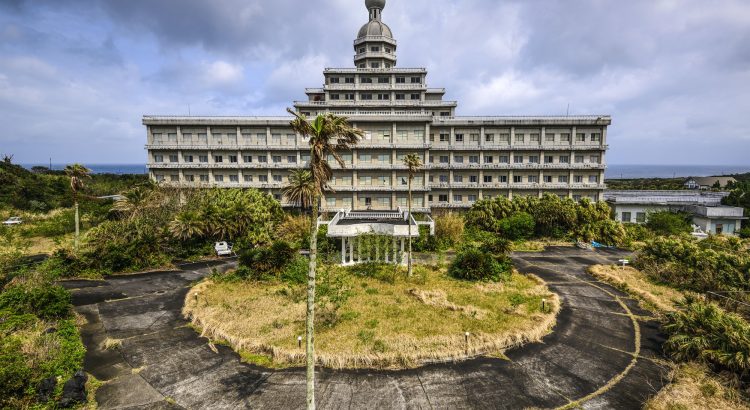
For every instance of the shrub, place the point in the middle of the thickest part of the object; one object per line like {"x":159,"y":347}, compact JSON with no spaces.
{"x":704,"y":332}
{"x":449,"y":229}
{"x":518,"y":227}
{"x":296,"y":271}
{"x":295,"y":229}
{"x":497,"y":246}
{"x":668,"y":223}
{"x":262,"y":262}
{"x":607,"y":232}
{"x":44,"y":300}
{"x":473,"y":264}
{"x":14,"y":372}
{"x":744,"y":233}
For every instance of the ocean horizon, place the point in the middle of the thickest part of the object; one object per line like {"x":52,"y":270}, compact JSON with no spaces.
{"x":614,"y":171}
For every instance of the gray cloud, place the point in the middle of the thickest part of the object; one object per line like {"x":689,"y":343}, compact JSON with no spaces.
{"x":673,"y":74}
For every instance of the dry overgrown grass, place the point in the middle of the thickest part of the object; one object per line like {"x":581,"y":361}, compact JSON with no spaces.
{"x":539,"y":245}
{"x":693,"y":387}
{"x":382,"y":325}
{"x":659,"y":297}
{"x":111,"y":344}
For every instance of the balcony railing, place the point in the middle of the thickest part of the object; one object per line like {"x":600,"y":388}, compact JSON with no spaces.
{"x":376,"y":103}
{"x":375,"y":54}
{"x":374,"y":86}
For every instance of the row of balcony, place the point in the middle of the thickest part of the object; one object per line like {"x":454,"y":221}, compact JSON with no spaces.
{"x":377,"y":188}
{"x":372,"y":86}
{"x":376,"y":145}
{"x":376,"y":103}
{"x":365,"y":166}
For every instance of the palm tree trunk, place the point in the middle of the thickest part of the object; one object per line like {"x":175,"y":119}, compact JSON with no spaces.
{"x":409,"y":222}
{"x":78,"y":229}
{"x":310,"y":319}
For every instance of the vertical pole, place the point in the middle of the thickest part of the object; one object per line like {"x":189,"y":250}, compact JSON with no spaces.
{"x":359,"y":249}
{"x":395,"y":251}
{"x":351,"y":251}
{"x":402,"y":251}
{"x":343,"y":251}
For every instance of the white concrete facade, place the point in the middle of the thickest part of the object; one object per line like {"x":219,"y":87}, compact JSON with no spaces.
{"x":466,"y":158}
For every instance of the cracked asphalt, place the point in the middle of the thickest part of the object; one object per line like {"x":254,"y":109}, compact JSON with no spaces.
{"x":603,"y":353}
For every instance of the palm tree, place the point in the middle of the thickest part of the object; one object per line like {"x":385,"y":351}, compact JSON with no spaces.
{"x":327,"y":134}
{"x":187,"y":225}
{"x":300,"y":188}
{"x":134,"y":201}
{"x":413,"y":163}
{"x":77,"y":174}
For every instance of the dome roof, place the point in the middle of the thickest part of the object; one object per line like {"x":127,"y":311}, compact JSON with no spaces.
{"x":377,"y":4}
{"x":375,"y":28}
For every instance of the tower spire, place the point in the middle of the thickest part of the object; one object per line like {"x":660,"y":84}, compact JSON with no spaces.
{"x":375,"y":46}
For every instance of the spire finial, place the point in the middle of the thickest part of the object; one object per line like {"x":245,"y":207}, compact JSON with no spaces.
{"x":375,"y":7}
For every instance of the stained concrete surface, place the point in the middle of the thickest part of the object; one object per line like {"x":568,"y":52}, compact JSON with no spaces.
{"x":164,"y":364}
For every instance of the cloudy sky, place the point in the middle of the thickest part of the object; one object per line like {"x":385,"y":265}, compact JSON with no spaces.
{"x":77,"y":75}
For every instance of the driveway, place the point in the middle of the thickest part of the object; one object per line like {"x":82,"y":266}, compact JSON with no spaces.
{"x":604,"y":353}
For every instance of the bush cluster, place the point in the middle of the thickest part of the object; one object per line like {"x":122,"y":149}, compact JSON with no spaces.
{"x":478,"y":265}
{"x":266,"y":262}
{"x":668,"y":223}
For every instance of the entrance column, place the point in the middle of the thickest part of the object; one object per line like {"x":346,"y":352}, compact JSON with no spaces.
{"x":395,"y":251}
{"x":343,"y":251}
{"x":351,"y":251}
{"x":359,"y":249}
{"x":402,"y":251}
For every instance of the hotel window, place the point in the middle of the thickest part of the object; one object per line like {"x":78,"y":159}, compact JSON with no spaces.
{"x":384,"y":97}
{"x":473,"y":159}
{"x":248,"y":178}
{"x":594,"y":159}
{"x":174,"y":178}
{"x":473,"y":179}
{"x":400,"y":80}
{"x":384,"y":159}
{"x":173,"y":158}
{"x":232,"y":138}
{"x":596,"y":137}
{"x":403,"y":136}
{"x":459,"y":137}
{"x":278,"y":179}
{"x":626,"y":217}
{"x":593,"y":179}
{"x":533,"y":179}
{"x":577,"y":198}
{"x":416,"y":80}
{"x":458,"y":159}
{"x":580,"y":137}
{"x":366,"y":97}
{"x":488,"y":159}
{"x":292,"y":159}
{"x":443,"y":179}
{"x":159,"y":178}
{"x":443,"y":198}
{"x":361,"y":50}
{"x":190,"y":178}
{"x":577,"y":179}
{"x":263,"y":178}
{"x":472,"y":198}
{"x":276,"y":159}
{"x":489,"y":138}
{"x":216,"y":137}
{"x":172,"y":138}
{"x":306,"y":158}
{"x":365,"y":180}
{"x":549,"y":137}
{"x":383,"y":80}
{"x":445,"y":114}
{"x":444,"y":159}
{"x":563,"y":179}
{"x":548,"y":179}
{"x":334,"y":80}
{"x":488,"y":179}
{"x":233,"y":159}
{"x":234,"y":178}
{"x":204,"y":177}
{"x":564,"y":137}
{"x":400,"y":96}
{"x":384,"y":201}
{"x":548,"y":159}
{"x":260,"y":139}
{"x":331,"y":202}
{"x":503,"y":159}
{"x":365,"y":157}
{"x":349,"y":80}
{"x":579,"y":159}
{"x":218,"y":159}
{"x":504,"y":138}
{"x":445,"y":137}
{"x":415,"y":97}
{"x":564,"y":159}
{"x":383,"y":180}
{"x":374,"y":65}
{"x":365,"y":80}
{"x":517,"y":179}
{"x":262,"y":158}
{"x":375,"y":49}
{"x":458,"y":198}
{"x":187,"y":138}
{"x":520,"y":138}
{"x":276,"y":140}
{"x":518,"y":159}
{"x":535,"y":138}
{"x":534,"y":159}
{"x":158,"y":158}
{"x":248,"y":159}
{"x":404,"y":181}
{"x":640,"y":217}
{"x":503,"y":179}
{"x":203,"y":158}
{"x":157,"y":138}
{"x":334,"y":96}
{"x":474,"y":137}
{"x":218,"y":178}
{"x":203,"y":138}
{"x":458,"y":179}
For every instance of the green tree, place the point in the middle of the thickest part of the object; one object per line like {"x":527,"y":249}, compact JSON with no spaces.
{"x":300,"y":189}
{"x":77,"y":174}
{"x":668,"y":223}
{"x":413,"y":164}
{"x":327,"y":135}
{"x":517,"y":227}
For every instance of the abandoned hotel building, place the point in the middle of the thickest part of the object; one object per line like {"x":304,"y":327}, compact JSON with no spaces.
{"x":466,"y":158}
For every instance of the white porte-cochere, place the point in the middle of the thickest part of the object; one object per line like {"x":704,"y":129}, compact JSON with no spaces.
{"x":374,"y":236}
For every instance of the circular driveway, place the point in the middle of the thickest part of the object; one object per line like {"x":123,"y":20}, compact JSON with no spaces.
{"x":604,"y":353}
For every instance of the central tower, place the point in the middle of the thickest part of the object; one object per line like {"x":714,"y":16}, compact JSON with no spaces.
{"x":375,"y":46}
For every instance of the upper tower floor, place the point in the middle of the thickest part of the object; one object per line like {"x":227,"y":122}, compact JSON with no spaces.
{"x":375,"y":46}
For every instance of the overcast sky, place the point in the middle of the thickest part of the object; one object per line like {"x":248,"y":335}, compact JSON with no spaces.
{"x":76,"y":76}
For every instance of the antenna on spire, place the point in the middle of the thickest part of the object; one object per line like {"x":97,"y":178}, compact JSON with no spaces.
{"x":567,"y":111}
